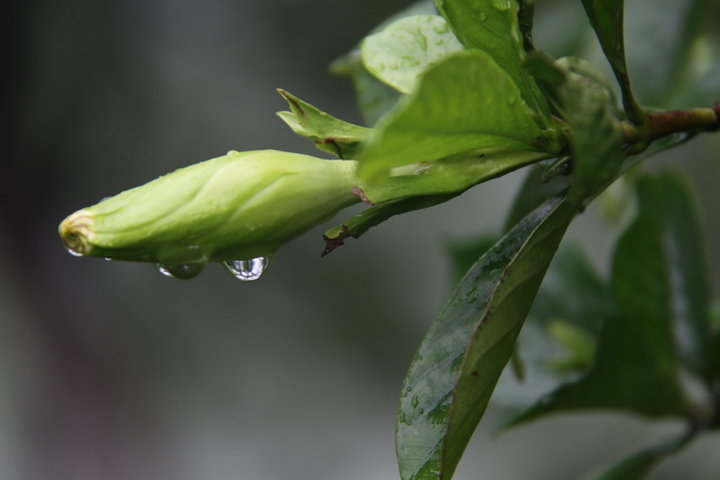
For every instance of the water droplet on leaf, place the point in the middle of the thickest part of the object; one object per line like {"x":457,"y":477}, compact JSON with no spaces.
{"x":73,"y":252}
{"x":247,"y":270}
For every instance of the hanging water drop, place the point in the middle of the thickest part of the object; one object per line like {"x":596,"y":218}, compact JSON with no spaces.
{"x":73,"y":252}
{"x":247,"y":270}
{"x":184,"y":271}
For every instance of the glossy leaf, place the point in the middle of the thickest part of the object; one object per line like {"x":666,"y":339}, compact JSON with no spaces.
{"x":401,"y":52}
{"x":636,"y":364}
{"x":327,"y":132}
{"x":639,"y":464}
{"x":606,"y":17}
{"x":492,"y":26}
{"x":460,"y":360}
{"x":456,"y":110}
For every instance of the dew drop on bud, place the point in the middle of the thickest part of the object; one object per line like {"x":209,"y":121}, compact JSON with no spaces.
{"x":184,"y":271}
{"x":247,"y":270}
{"x":73,"y":252}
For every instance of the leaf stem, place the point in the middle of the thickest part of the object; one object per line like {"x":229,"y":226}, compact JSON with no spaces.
{"x":661,"y":124}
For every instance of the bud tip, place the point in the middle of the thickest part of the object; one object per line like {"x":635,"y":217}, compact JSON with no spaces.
{"x":74,"y":232}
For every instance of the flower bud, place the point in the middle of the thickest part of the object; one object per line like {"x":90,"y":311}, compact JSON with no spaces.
{"x":233,"y":208}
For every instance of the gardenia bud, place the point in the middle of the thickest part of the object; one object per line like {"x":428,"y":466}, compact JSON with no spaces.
{"x":237,"y":207}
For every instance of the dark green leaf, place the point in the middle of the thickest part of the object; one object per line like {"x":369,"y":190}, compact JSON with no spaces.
{"x":456,"y":110}
{"x":492,"y":26}
{"x":606,"y":17}
{"x":639,"y":464}
{"x":670,"y":200}
{"x":636,"y":364}
{"x":327,"y":132}
{"x":460,"y":360}
{"x":401,"y":52}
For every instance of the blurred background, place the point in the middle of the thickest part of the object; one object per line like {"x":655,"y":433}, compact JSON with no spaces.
{"x":109,"y":370}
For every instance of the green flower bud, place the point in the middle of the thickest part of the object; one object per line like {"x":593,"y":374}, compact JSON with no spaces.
{"x":237,"y":209}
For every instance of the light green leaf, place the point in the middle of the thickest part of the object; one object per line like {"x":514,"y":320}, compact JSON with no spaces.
{"x":639,"y":464}
{"x":327,"y":132}
{"x":636,"y":364}
{"x":460,"y":360}
{"x":374,"y":98}
{"x":398,"y":54}
{"x":492,"y":26}
{"x":606,"y":17}
{"x":465,"y":104}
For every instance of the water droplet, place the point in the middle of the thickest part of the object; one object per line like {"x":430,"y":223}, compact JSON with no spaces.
{"x":184,"y":271}
{"x":408,"y":389}
{"x":421,"y":411}
{"x":511,"y":100}
{"x":247,"y":270}
{"x":415,"y":401}
{"x":482,"y":16}
{"x":73,"y":252}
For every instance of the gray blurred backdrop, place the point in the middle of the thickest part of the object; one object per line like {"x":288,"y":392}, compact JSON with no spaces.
{"x":110,"y":371}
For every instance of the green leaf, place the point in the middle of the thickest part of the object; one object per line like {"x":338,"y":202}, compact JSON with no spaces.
{"x":327,"y":132}
{"x":588,"y":108}
{"x":671,"y":202}
{"x":492,"y":26}
{"x":398,"y":54}
{"x":461,"y":358}
{"x":374,"y":97}
{"x":636,"y":364}
{"x":363,"y":221}
{"x":606,"y":17}
{"x":456,"y":110}
{"x":639,"y":464}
